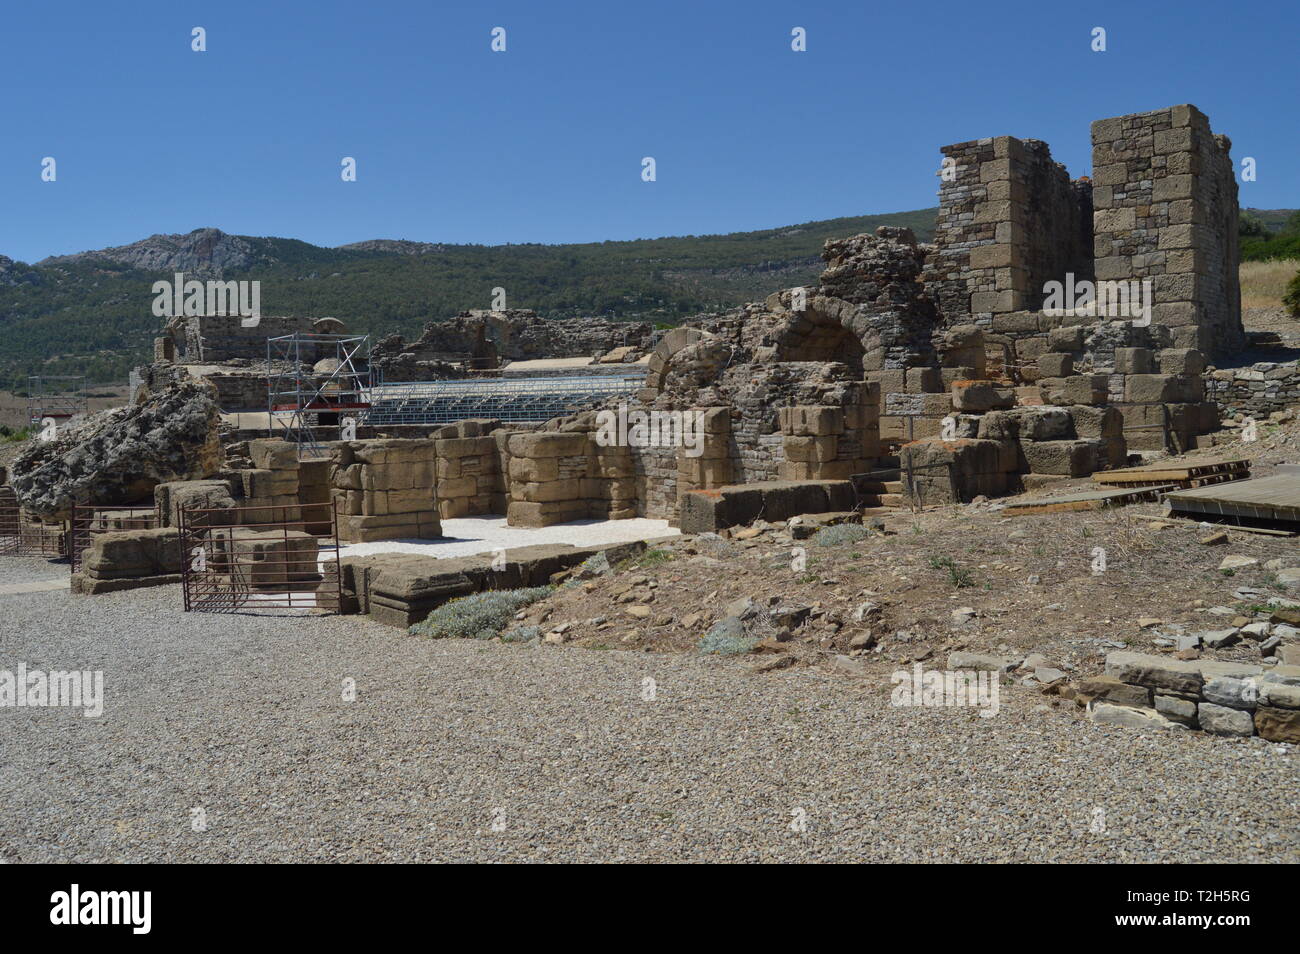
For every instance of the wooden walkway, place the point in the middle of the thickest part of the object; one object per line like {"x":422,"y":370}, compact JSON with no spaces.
{"x":1088,"y":500}
{"x":1185,"y":474}
{"x":1275,"y":499}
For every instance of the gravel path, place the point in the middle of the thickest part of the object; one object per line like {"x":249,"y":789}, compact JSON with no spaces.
{"x":17,"y":570}
{"x":242,"y":716}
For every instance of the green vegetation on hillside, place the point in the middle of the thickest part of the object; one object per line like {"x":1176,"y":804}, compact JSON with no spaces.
{"x":1268,"y":236}
{"x":95,"y":318}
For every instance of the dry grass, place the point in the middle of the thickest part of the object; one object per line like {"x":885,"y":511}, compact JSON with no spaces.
{"x":1264,"y":283}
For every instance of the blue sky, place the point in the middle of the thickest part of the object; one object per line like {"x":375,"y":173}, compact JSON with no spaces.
{"x":543,"y":143}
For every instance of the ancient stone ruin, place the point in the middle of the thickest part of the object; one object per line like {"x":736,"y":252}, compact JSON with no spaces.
{"x":488,"y":340}
{"x":991,"y":361}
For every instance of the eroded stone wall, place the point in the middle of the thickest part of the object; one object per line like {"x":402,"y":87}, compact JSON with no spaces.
{"x":1165,"y":199}
{"x":1010,"y":220}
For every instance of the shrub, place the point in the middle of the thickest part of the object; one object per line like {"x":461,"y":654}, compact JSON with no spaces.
{"x":1292,"y":297}
{"x":727,"y":637}
{"x":711,"y":544}
{"x":479,"y":615}
{"x":521,"y":634}
{"x":723,"y":645}
{"x":840,"y":533}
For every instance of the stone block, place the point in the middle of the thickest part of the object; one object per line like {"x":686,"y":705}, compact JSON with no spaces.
{"x":924,"y":380}
{"x":1278,"y":725}
{"x":1091,"y":423}
{"x":978,"y":396}
{"x":1222,"y":720}
{"x":1155,"y":672}
{"x":1056,"y":364}
{"x":1162,"y":389}
{"x":1069,"y":338}
{"x":1089,"y":389}
{"x":1134,"y":361}
{"x":268,"y":454}
{"x":1181,"y":361}
{"x":534,"y":469}
{"x":1076,"y":458}
{"x":550,"y":491}
{"x":548,"y":444}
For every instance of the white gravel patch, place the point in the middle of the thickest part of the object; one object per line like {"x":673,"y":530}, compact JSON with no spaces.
{"x":466,"y":536}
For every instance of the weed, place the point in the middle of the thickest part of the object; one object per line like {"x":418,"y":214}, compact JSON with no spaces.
{"x":956,"y":575}
{"x":840,"y":533}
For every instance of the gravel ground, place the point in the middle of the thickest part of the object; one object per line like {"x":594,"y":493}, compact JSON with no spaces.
{"x":474,"y":751}
{"x":465,"y":536}
{"x":31,"y":570}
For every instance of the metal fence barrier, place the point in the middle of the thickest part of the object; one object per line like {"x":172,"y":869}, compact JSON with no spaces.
{"x":258,"y":558}
{"x":88,"y":522}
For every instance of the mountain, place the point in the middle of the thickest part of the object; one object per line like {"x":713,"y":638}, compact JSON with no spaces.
{"x":91,"y":313}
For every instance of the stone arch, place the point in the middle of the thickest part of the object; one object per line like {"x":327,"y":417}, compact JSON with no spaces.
{"x":679,"y":339}
{"x":815,"y":335}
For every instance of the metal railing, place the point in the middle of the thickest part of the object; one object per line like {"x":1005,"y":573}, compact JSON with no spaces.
{"x":259,"y":558}
{"x":507,"y":399}
{"x":26,"y":538}
{"x":89,"y":522}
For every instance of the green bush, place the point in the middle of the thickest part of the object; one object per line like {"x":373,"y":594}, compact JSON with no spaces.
{"x":521,"y":634}
{"x":1292,"y":297}
{"x":479,"y":615}
{"x":840,"y":533}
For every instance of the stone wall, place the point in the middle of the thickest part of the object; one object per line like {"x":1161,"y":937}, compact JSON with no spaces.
{"x":385,"y":490}
{"x":483,"y":340}
{"x":1223,"y":698}
{"x":219,"y":338}
{"x":1255,"y":390}
{"x":546,"y":472}
{"x":470,"y":476}
{"x":1159,"y":392}
{"x":1010,"y":220}
{"x":1165,"y":199}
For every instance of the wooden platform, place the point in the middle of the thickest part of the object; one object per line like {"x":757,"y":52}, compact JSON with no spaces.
{"x":1088,"y":500}
{"x":1275,"y":500}
{"x":1182,"y":475}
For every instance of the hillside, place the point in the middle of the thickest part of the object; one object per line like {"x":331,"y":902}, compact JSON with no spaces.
{"x":90,"y":313}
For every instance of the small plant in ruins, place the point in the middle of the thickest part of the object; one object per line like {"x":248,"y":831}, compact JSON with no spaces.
{"x":652,"y":558}
{"x":956,"y":575}
{"x":722,"y":644}
{"x":840,"y":533}
{"x":479,"y":615}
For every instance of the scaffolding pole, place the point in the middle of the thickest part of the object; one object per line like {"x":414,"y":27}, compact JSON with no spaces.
{"x":300,"y":397}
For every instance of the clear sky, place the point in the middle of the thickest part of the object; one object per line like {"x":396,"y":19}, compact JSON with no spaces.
{"x":544,"y":142}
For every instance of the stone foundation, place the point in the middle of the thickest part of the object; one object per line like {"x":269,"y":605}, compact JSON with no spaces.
{"x":1222,"y":698}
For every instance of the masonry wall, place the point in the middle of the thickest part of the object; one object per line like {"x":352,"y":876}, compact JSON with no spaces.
{"x":385,"y":490}
{"x":1165,"y":208}
{"x":1010,"y":220}
{"x":213,"y":339}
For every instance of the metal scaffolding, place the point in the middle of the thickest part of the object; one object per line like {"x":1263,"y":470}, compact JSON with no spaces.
{"x":313,"y":379}
{"x":509,"y":399}
{"x":56,"y":398}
